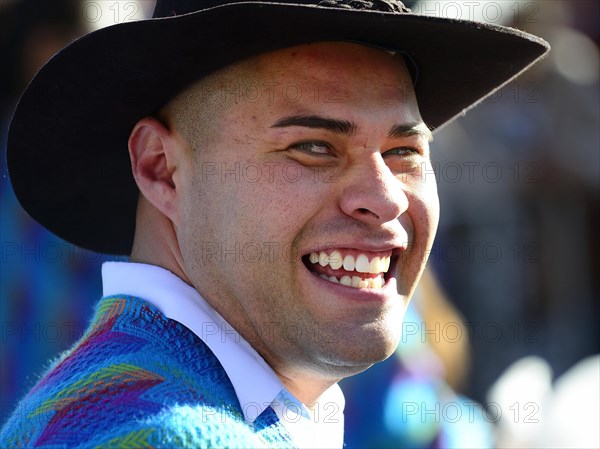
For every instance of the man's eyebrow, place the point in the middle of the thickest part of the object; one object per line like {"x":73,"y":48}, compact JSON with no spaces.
{"x":411,"y":129}
{"x":315,"y":121}
{"x":350,"y":128}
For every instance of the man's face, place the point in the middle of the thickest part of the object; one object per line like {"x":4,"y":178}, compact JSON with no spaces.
{"x":319,"y":154}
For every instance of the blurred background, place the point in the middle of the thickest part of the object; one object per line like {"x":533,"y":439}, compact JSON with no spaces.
{"x":500,"y":345}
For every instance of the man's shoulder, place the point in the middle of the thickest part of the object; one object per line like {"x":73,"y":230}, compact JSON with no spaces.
{"x":135,"y":379}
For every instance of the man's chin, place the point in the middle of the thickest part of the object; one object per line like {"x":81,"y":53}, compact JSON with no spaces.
{"x":359,"y":351}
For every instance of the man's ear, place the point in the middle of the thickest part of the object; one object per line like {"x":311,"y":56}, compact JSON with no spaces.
{"x":154,"y":152}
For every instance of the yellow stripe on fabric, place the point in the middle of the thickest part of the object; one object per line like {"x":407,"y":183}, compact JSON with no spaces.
{"x":134,"y":440}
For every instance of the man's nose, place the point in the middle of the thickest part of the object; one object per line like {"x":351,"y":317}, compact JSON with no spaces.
{"x":374,"y":194}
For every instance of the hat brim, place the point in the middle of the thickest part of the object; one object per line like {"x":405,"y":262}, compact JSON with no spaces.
{"x":67,"y":143}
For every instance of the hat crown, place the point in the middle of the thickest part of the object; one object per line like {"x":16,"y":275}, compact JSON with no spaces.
{"x":170,"y":8}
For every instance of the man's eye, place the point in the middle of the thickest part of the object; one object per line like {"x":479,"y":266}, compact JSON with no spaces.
{"x":402,"y":151}
{"x":312,"y":147}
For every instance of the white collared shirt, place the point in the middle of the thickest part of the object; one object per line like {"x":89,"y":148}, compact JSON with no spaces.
{"x":254,"y":381}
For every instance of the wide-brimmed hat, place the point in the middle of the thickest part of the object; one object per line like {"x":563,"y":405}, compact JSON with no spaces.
{"x":67,"y":143}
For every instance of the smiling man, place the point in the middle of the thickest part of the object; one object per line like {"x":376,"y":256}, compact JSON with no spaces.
{"x":278,"y":207}
{"x":367,"y":227}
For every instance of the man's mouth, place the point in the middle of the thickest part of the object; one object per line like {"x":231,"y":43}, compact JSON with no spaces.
{"x":352,"y":268}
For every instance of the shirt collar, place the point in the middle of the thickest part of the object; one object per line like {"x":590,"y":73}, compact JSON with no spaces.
{"x":253,"y":380}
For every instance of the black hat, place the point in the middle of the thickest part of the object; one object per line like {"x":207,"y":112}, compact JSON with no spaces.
{"x":67,"y":143}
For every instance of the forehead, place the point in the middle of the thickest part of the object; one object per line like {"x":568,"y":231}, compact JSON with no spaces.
{"x":328,"y":77}
{"x":350,"y":69}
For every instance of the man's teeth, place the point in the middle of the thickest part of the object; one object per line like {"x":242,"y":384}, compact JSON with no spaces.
{"x":361,"y":263}
{"x":356,"y":281}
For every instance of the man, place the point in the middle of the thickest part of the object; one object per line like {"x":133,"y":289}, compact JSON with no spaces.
{"x":278,"y":206}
